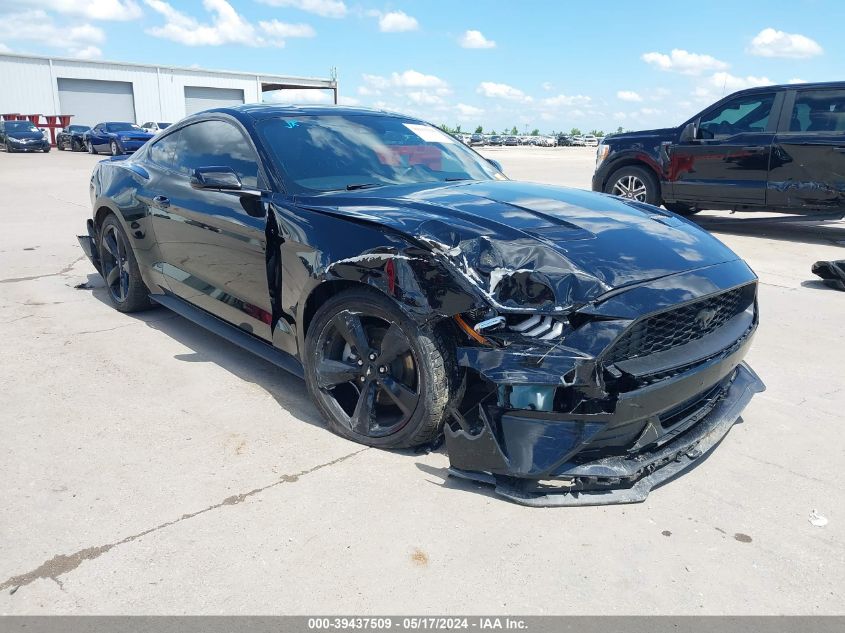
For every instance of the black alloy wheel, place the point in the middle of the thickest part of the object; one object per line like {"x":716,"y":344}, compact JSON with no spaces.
{"x":127,"y":290}
{"x":378,"y":378}
{"x":115,"y":264}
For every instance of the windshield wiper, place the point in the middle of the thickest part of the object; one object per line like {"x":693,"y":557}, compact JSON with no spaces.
{"x":363,"y":185}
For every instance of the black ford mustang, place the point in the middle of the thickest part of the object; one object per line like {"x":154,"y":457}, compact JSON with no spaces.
{"x":573,"y":348}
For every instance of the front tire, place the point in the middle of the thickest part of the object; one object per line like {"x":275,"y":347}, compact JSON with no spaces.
{"x":115,"y":150}
{"x":75,"y":146}
{"x":634,"y":183}
{"x":91,"y":149}
{"x":374,"y":374}
{"x":127,"y":290}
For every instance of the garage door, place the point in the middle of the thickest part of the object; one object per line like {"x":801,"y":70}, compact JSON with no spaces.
{"x":92,"y":101}
{"x":198,"y":99}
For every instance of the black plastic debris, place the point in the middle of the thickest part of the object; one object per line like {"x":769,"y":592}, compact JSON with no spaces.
{"x":832,"y":273}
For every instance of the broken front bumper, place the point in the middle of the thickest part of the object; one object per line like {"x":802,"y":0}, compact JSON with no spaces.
{"x":604,"y":480}
{"x":89,"y":245}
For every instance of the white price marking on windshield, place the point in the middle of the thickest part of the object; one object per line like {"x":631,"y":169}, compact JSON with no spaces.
{"x":429,"y":134}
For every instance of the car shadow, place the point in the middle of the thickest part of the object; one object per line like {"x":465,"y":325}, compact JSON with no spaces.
{"x":288,"y":390}
{"x":786,"y":228}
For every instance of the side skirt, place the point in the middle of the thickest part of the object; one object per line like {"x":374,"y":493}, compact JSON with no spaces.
{"x":231,"y":333}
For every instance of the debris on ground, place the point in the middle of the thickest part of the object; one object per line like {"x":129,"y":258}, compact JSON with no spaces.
{"x":85,"y":285}
{"x":817,"y":519}
{"x":832,"y":273}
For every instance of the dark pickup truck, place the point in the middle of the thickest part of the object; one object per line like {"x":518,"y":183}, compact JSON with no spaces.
{"x":776,"y":148}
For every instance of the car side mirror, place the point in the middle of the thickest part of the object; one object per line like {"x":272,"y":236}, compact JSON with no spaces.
{"x":496,"y":164}
{"x":690,"y":132}
{"x":216,"y":178}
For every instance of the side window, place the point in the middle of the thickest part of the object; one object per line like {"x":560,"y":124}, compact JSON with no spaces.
{"x":818,"y":111}
{"x":147,"y":124}
{"x":738,"y":116}
{"x":164,"y":151}
{"x":217,"y":144}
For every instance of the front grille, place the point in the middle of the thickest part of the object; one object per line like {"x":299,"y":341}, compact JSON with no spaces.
{"x":681,"y":325}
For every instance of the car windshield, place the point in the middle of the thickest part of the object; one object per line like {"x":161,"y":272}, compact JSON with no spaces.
{"x":78,"y":128}
{"x":336,"y":152}
{"x":20,"y":126}
{"x":123,"y":127}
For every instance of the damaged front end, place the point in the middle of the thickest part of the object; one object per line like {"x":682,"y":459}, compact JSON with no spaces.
{"x":610,"y":400}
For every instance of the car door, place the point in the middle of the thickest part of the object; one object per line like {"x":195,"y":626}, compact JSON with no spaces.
{"x":99,"y":137}
{"x":726,"y":160}
{"x":808,"y":157}
{"x":213,"y":242}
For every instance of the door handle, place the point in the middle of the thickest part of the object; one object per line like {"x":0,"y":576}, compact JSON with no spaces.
{"x":162,"y":202}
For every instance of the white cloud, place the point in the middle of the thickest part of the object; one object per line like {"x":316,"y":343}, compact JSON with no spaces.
{"x":475,"y":39}
{"x":797,"y":80}
{"x":414,"y":79}
{"x":772,"y":43}
{"x":88,"y":52}
{"x":37,"y":26}
{"x":89,"y":9}
{"x":467,"y":111}
{"x":227,"y":26}
{"x":421,"y":97}
{"x":684,"y":62}
{"x":566,"y":100}
{"x":396,"y":22}
{"x":547,"y":86}
{"x":410,"y":87}
{"x":282,"y":30}
{"x":348,"y":101}
{"x":324,"y":8}
{"x":628,"y":95}
{"x":721,"y":84}
{"x":502,"y":91}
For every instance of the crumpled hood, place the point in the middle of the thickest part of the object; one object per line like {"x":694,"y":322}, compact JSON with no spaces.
{"x":537,"y":247}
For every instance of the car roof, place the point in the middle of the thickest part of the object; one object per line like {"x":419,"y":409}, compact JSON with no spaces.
{"x":258,"y":111}
{"x":795,"y":86}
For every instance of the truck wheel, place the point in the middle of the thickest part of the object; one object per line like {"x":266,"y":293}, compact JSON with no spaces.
{"x":634,"y":183}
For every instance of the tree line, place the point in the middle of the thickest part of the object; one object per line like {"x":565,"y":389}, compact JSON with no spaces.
{"x":535,"y":132}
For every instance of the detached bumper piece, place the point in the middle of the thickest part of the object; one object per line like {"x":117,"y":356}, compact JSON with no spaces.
{"x":89,"y":246}
{"x":605,"y":480}
{"x":832,"y":273}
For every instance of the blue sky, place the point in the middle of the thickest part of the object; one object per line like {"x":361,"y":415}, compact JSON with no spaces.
{"x":549,"y":64}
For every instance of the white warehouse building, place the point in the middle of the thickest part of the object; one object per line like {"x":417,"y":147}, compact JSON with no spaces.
{"x":95,"y":91}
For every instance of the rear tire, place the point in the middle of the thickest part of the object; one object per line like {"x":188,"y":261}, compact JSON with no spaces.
{"x":368,"y":390}
{"x":127,"y":290}
{"x":634,"y":183}
{"x":681,"y":209}
{"x":91,"y":149}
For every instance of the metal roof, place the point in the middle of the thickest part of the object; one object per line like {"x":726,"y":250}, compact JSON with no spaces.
{"x":277,"y":81}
